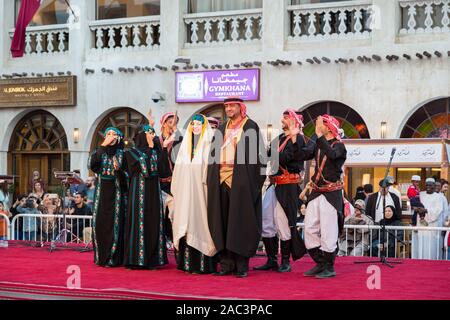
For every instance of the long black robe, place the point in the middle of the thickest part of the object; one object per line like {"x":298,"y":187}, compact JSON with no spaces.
{"x":244,"y":225}
{"x":145,"y":244}
{"x":110,"y":203}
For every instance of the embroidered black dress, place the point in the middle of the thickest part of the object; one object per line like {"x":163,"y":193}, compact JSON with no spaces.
{"x":145,"y":244}
{"x":110,"y":203}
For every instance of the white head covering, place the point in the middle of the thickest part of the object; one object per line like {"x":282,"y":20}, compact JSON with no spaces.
{"x":430,"y":180}
{"x":361,"y":203}
{"x":415,"y":178}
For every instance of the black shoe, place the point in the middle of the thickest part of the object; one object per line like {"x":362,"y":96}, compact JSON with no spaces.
{"x":317,"y":255}
{"x":242,"y":274}
{"x":285,"y":254}
{"x":271,"y":247}
{"x":222,"y":273}
{"x":328,"y":270}
{"x":271,"y":264}
{"x":285,"y":267}
{"x":318,"y":268}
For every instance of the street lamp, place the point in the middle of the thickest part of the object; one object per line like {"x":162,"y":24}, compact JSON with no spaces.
{"x":76,"y":135}
{"x":383,"y":129}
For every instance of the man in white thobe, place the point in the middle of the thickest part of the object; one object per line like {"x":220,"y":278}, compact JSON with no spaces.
{"x":426,"y":243}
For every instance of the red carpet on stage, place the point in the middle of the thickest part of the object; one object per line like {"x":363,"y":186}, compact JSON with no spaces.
{"x":35,"y":273}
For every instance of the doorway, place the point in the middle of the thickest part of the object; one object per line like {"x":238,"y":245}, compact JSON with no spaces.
{"x":38,"y":143}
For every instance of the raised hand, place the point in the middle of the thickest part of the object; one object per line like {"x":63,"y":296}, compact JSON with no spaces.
{"x":108,"y":140}
{"x":169,"y":140}
{"x":151,"y":120}
{"x":320,"y":127}
{"x":294,"y":130}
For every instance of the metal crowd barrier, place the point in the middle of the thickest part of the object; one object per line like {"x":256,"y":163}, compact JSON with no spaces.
{"x":400,"y":241}
{"x":52,"y":227}
{"x":356,"y":240}
{"x":4,"y":227}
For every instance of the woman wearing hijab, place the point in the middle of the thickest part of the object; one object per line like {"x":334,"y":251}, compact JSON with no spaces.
{"x":191,"y":237}
{"x":145,"y":244}
{"x":109,"y":200}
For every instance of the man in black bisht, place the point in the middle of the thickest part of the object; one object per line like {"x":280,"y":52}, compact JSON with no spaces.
{"x":234,"y":189}
{"x":289,"y":145}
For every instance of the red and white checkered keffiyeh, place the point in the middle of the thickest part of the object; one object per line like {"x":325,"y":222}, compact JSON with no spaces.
{"x":333,"y":124}
{"x":298,"y":118}
{"x":240,"y":102}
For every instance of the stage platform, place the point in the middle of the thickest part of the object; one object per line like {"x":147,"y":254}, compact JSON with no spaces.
{"x":35,"y":273}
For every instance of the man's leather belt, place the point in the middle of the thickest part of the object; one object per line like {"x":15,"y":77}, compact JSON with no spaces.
{"x":329,"y":187}
{"x":166,"y":180}
{"x":286,"y":178}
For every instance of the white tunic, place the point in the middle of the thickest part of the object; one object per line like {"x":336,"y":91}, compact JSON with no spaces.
{"x":427,"y":244}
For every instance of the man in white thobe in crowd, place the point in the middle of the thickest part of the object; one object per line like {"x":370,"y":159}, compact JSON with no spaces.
{"x":427,"y":243}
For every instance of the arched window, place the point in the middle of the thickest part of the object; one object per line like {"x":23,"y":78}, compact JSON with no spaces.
{"x":352,"y":123}
{"x":429,"y":121}
{"x":126,"y":120}
{"x":216,"y":111}
{"x":38,"y":143}
{"x":39,"y":131}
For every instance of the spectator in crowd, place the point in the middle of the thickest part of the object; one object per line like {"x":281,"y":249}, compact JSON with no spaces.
{"x":3,"y":225}
{"x":38,"y":190}
{"x":20,"y":201}
{"x":348,"y":207}
{"x":51,"y":205}
{"x":4,"y":194}
{"x":356,"y":241}
{"x":68,"y":201}
{"x":444,"y":187}
{"x":90,"y":184}
{"x":393,"y":187}
{"x":368,"y":190}
{"x":415,"y":203}
{"x":36,"y":177}
{"x":301,"y":211}
{"x":78,"y":187}
{"x":427,"y":243}
{"x":359,"y":194}
{"x":438,"y":189}
{"x":80,"y":209}
{"x":414,"y":190}
{"x":447,"y":238}
{"x":30,"y":224}
{"x":374,"y":207}
{"x":390,"y":237}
